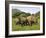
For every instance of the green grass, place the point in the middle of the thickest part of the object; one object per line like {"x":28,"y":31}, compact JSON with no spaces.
{"x":24,"y":28}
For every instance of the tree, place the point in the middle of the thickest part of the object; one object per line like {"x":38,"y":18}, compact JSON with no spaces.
{"x":28,"y":14}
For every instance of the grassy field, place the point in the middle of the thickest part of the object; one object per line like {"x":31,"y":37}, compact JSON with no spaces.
{"x":22,"y":27}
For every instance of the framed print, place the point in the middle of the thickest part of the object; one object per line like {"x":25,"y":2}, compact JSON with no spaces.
{"x":24,"y":18}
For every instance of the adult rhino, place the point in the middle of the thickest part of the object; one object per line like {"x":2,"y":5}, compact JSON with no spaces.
{"x":23,"y":20}
{"x":17,"y":21}
{"x":31,"y":20}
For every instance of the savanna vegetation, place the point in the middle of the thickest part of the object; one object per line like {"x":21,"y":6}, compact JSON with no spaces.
{"x":25,"y":21}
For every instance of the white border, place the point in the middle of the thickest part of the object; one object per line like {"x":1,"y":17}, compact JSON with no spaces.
{"x":25,"y":32}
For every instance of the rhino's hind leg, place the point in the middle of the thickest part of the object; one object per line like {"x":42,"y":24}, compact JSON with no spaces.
{"x":32,"y":23}
{"x":29,"y":23}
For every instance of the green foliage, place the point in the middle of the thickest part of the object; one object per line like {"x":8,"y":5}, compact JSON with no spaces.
{"x":20,"y":14}
{"x":22,"y":27}
{"x":28,"y":14}
{"x":16,"y":14}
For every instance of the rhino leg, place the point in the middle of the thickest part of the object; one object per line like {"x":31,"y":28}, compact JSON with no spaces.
{"x":17,"y":22}
{"x":27,"y":22}
{"x":32,"y":22}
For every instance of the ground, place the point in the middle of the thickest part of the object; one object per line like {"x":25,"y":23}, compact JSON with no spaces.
{"x":24,"y":28}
